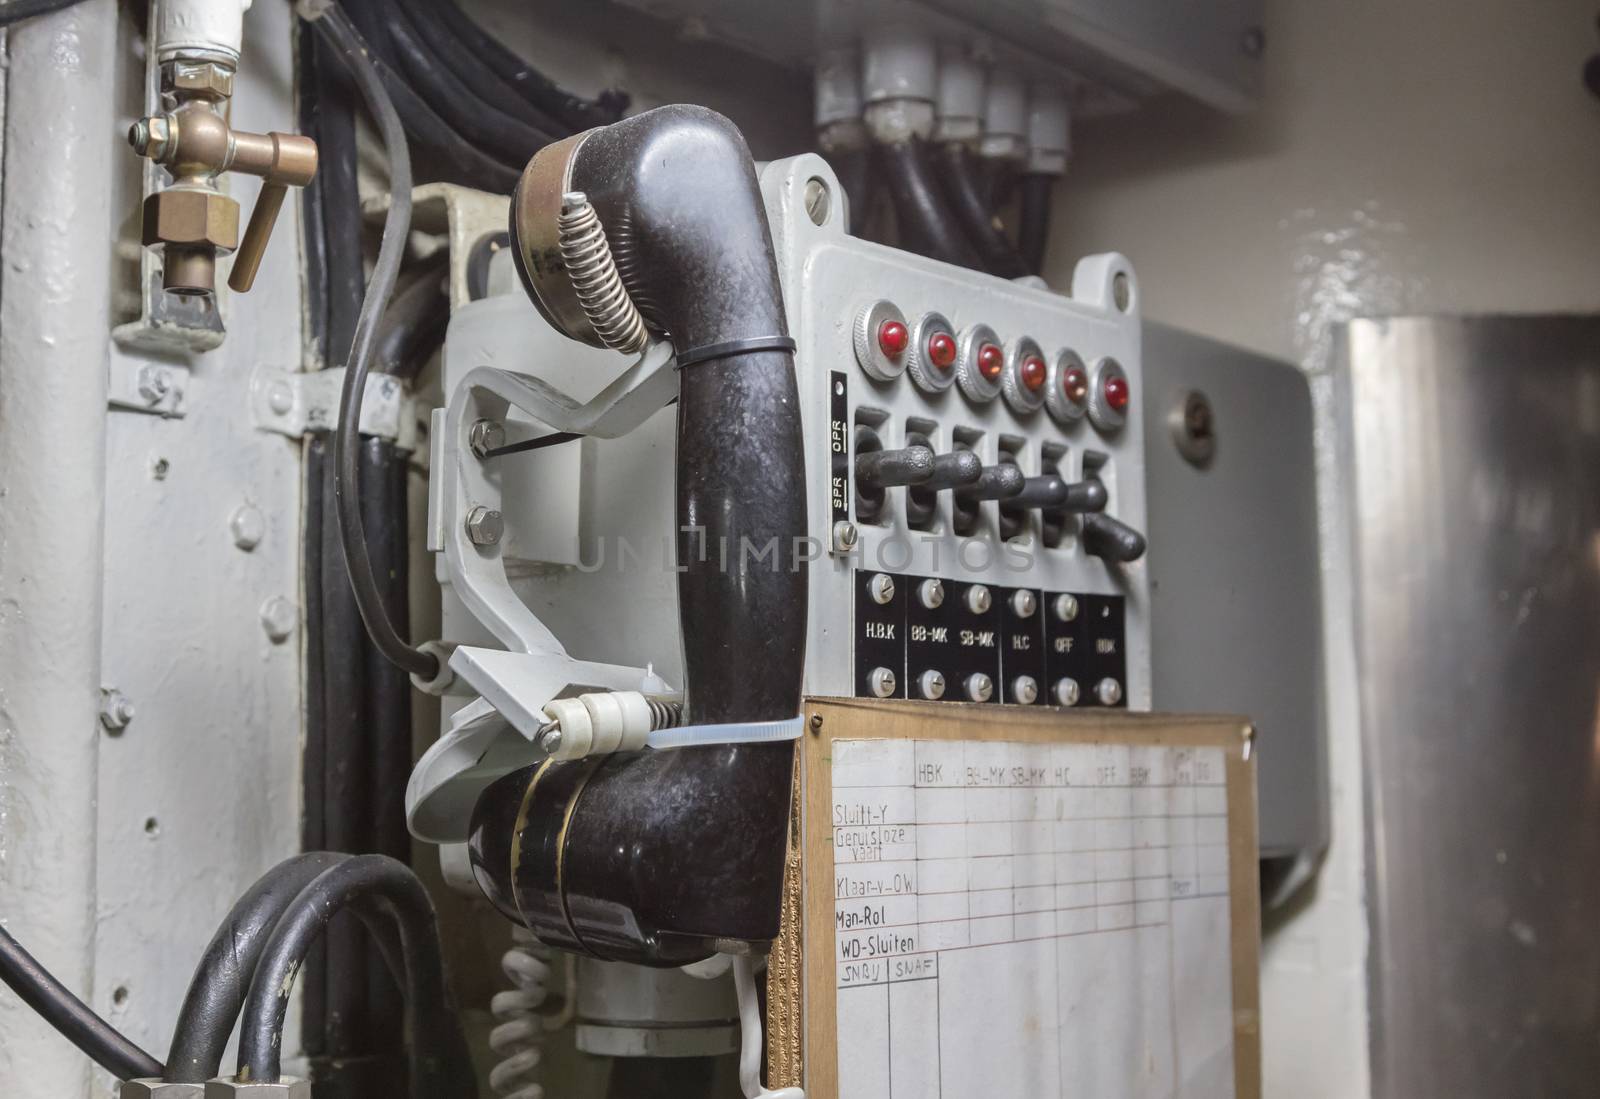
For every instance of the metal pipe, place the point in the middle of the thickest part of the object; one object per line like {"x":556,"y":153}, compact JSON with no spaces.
{"x":55,"y":316}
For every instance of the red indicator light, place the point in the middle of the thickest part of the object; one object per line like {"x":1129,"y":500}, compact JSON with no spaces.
{"x":1116,"y":393}
{"x":1033,"y":373}
{"x":893,"y":338}
{"x":990,"y":361}
{"x":942,"y":350}
{"x":1075,"y":384}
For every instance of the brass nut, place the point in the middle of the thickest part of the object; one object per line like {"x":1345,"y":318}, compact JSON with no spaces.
{"x":204,"y":218}
{"x":160,"y":1089}
{"x":206,"y":78}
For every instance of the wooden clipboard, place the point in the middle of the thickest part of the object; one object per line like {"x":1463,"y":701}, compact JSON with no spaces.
{"x":802,"y":1043}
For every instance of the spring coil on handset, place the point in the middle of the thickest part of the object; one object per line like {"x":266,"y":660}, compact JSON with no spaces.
{"x":595,"y":279}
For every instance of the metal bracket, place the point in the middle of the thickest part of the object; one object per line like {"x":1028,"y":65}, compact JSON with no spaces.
{"x":499,"y":732}
{"x":300,"y":403}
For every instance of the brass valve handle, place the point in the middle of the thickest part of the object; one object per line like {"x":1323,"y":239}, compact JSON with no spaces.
{"x":196,"y":145}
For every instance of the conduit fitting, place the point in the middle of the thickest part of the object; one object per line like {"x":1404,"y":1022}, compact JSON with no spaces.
{"x":961,"y":95}
{"x":1049,"y":131}
{"x":1005,"y":118}
{"x":192,"y":221}
{"x":899,"y":83}
{"x":838,"y":101}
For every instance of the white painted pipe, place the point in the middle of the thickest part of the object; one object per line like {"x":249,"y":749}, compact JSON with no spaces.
{"x":199,"y":28}
{"x":55,"y":319}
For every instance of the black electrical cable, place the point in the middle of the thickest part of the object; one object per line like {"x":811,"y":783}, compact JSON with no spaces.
{"x":14,"y":11}
{"x":414,"y":324}
{"x":98,"y":1039}
{"x":1033,"y":220}
{"x":926,"y":226}
{"x":441,"y":38}
{"x":971,"y":208}
{"x":538,"y":89}
{"x":480,"y":121}
{"x":216,"y":993}
{"x":337,"y":30}
{"x":383,"y":892}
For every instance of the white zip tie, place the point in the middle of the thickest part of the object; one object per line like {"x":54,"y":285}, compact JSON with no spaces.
{"x":737,"y":732}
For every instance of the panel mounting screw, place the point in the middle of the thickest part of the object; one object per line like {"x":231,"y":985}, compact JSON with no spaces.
{"x":816,"y":723}
{"x":485,"y":526}
{"x":155,"y":383}
{"x":845,"y":536}
{"x":1193,"y":426}
{"x":248,"y":527}
{"x":116,"y":710}
{"x":486,"y":435}
{"x":818,"y":200}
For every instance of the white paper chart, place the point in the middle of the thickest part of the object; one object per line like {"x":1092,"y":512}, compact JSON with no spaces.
{"x":1016,"y":921}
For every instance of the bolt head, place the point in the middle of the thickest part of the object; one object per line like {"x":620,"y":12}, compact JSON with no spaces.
{"x":1024,"y":603}
{"x":980,"y":688}
{"x":279,"y":617}
{"x":1067,"y":692}
{"x":248,"y":526}
{"x":550,"y":743}
{"x":486,"y":435}
{"x":116,"y":711}
{"x":485,"y":526}
{"x":979,"y":600}
{"x":155,"y":383}
{"x":882,"y":588}
{"x":281,"y":398}
{"x":882,"y":682}
{"x":931,"y":593}
{"x":1024,"y":690}
{"x":845,"y":536}
{"x":818,"y":201}
{"x":1108,"y":691}
{"x":932,"y":685}
{"x":1066,"y":608}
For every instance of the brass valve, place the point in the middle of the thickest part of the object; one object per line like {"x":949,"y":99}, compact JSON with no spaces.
{"x":192,"y":221}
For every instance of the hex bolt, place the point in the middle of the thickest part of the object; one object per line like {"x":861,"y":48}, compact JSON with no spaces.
{"x":818,"y":201}
{"x":845,"y":536}
{"x":485,"y":526}
{"x":1067,"y":692}
{"x":248,"y":527}
{"x":978,"y":599}
{"x":1024,"y":690}
{"x":931,"y":592}
{"x":1066,"y":607}
{"x":1108,"y":691}
{"x":1024,"y":603}
{"x":279,"y":617}
{"x":882,"y":682}
{"x":931,"y":683}
{"x":155,"y":383}
{"x":486,"y":435}
{"x":881,"y":587}
{"x":980,"y":688}
{"x":116,"y":710}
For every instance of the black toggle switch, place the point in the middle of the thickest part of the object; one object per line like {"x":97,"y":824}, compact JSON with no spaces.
{"x":999,"y":482}
{"x":961,"y":467}
{"x":881,"y":469}
{"x":1057,"y":495}
{"x":1111,"y":539}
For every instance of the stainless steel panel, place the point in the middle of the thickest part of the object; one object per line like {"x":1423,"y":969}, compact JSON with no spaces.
{"x":1476,"y":510}
{"x":1235,"y":606}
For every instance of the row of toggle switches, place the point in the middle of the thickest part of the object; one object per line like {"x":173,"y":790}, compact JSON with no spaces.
{"x":918,"y":468}
{"x":985,"y":369}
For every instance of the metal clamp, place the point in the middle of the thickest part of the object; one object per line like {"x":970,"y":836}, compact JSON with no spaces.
{"x":300,"y":403}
